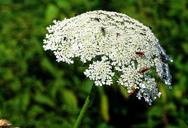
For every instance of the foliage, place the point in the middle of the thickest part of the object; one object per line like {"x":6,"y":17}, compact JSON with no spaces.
{"x":36,"y":91}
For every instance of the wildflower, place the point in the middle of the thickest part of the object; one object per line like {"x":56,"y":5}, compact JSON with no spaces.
{"x":113,"y":44}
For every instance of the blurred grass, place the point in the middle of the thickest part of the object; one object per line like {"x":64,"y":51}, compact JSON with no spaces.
{"x":36,"y":91}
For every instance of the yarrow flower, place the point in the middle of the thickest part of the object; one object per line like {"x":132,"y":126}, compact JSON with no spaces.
{"x":117,"y":48}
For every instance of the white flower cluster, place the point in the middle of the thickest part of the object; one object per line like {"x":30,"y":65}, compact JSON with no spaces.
{"x":100,"y":72}
{"x":116,"y":47}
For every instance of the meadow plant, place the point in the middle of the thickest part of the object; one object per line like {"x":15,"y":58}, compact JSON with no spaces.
{"x":116,"y":48}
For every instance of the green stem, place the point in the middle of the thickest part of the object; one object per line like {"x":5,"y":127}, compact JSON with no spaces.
{"x":85,"y":107}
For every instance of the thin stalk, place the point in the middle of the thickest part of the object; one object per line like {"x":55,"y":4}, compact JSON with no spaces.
{"x":85,"y":107}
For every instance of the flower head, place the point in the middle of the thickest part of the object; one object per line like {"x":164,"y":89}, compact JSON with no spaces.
{"x":113,"y":44}
{"x":100,"y":72}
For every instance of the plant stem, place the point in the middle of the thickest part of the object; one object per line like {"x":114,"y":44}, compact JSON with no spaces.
{"x":85,"y":107}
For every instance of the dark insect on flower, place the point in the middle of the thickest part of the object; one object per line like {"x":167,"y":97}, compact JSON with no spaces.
{"x":117,"y":34}
{"x":65,"y":38}
{"x":103,"y":31}
{"x":97,"y":19}
{"x":139,"y":53}
{"x":142,"y":33}
{"x":143,"y":70}
{"x":5,"y":123}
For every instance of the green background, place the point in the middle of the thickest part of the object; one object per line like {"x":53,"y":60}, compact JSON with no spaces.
{"x":38,"y":92}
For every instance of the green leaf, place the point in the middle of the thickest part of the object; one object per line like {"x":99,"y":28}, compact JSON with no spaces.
{"x":25,"y":99}
{"x":86,"y":86}
{"x":70,"y":102}
{"x":185,"y":47}
{"x":104,"y":125}
{"x":64,"y":4}
{"x":44,"y":99}
{"x":155,"y":111}
{"x":182,"y":124}
{"x":124,"y":92}
{"x":35,"y":110}
{"x":104,"y":107}
{"x":47,"y":65}
{"x":51,"y":12}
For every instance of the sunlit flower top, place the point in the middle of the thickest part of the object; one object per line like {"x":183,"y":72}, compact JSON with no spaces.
{"x":117,"y":48}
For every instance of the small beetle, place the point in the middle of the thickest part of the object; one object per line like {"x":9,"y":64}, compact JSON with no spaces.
{"x":140,"y":53}
{"x":143,"y":70}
